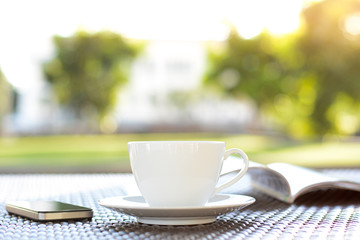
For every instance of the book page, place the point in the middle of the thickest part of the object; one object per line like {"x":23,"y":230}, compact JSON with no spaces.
{"x":263,"y":178}
{"x":302,"y":180}
{"x":270,"y":182}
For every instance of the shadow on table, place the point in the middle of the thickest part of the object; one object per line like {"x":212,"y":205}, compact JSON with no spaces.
{"x":333,"y":197}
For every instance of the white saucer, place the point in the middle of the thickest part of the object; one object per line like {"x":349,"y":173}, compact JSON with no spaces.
{"x":136,"y":206}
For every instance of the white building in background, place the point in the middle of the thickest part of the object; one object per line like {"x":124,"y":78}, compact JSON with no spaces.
{"x":176,"y":68}
{"x":165,"y":68}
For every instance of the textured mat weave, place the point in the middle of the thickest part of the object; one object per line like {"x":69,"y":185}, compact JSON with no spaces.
{"x":318,"y":215}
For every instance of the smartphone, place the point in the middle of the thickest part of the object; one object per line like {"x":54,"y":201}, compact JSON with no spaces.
{"x":48,"y":210}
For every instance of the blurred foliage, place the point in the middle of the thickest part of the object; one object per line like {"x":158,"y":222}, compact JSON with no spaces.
{"x":306,"y":83}
{"x":5,"y":98}
{"x":88,"y":70}
{"x":332,"y":54}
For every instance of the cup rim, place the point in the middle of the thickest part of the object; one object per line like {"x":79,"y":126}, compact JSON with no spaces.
{"x":176,"y":141}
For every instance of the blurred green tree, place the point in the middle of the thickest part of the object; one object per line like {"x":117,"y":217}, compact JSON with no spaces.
{"x":307,"y":82}
{"x":331,"y":48}
{"x":5,"y":99}
{"x":263,"y":69}
{"x":88,"y":70}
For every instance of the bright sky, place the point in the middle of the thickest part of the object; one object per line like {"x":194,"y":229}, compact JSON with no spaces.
{"x":26,"y":27}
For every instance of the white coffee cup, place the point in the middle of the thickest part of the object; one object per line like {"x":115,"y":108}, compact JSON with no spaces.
{"x":181,"y":173}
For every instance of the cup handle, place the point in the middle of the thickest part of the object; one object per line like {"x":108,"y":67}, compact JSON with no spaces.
{"x":240,"y":174}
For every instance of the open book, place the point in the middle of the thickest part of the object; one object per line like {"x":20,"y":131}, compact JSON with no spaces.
{"x":286,"y":182}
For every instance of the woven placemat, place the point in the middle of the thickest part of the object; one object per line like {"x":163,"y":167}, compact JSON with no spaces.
{"x":319,"y":215}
